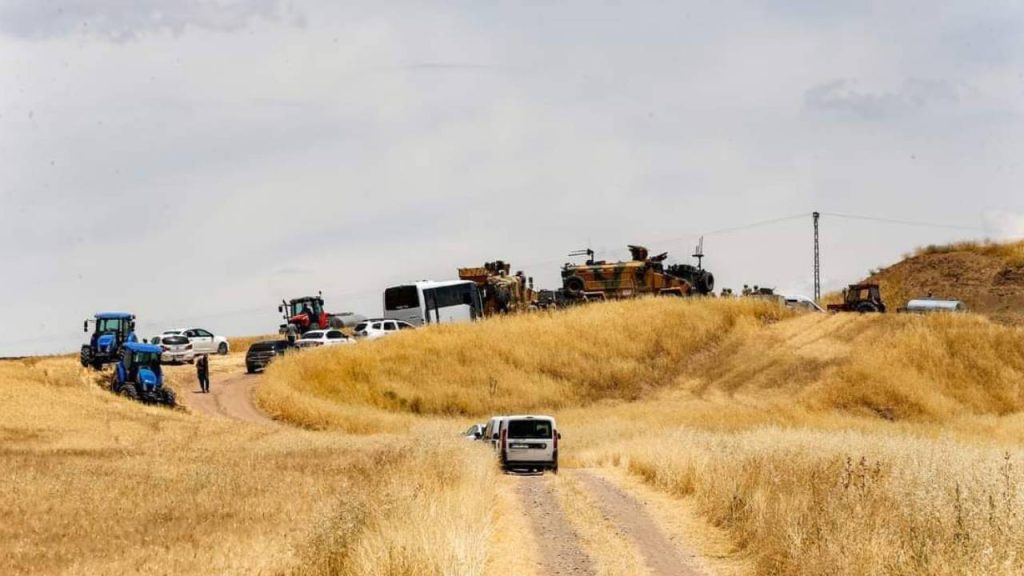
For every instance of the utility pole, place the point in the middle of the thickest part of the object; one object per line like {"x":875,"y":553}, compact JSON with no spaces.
{"x":817,"y":261}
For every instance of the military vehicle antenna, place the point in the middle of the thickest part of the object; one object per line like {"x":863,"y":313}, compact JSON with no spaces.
{"x":699,"y":253}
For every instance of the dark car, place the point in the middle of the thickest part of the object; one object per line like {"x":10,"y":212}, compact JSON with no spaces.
{"x":261,"y":353}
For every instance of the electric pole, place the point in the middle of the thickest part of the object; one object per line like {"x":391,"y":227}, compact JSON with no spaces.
{"x":817,"y":261}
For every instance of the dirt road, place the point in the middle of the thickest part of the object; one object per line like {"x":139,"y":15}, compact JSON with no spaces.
{"x":569,"y":540}
{"x":230,"y":396}
{"x":561,"y":551}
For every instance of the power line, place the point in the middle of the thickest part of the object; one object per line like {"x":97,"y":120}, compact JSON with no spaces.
{"x":904,"y":222}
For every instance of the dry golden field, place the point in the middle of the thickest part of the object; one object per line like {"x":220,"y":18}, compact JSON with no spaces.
{"x":841,"y":444}
{"x":94,"y":484}
{"x":791,"y":444}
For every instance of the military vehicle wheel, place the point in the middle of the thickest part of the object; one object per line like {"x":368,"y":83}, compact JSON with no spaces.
{"x":222,"y":349}
{"x":866,"y":307}
{"x":128,"y":391}
{"x":706,"y":283}
{"x":574,"y":285}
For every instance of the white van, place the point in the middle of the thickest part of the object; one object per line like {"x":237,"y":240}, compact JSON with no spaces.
{"x":529,"y":442}
{"x":492,"y":432}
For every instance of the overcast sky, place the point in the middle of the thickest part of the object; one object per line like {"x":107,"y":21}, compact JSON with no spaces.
{"x":196,"y":161}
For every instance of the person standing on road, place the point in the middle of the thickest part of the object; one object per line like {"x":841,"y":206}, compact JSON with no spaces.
{"x":203,"y":372}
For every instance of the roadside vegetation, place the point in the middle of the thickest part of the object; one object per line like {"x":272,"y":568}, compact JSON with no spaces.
{"x":95,"y":484}
{"x":848,"y":444}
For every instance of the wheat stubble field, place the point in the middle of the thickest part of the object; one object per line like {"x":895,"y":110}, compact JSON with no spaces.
{"x":758,"y":441}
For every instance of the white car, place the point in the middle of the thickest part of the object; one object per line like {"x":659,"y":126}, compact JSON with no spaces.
{"x":474,"y":432}
{"x":379,"y":327}
{"x":176,"y":348}
{"x":317,"y":338}
{"x":802,"y":303}
{"x":529,"y":443}
{"x":203,"y":341}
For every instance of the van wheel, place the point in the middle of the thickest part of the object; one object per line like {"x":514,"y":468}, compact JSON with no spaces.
{"x":554,"y":469}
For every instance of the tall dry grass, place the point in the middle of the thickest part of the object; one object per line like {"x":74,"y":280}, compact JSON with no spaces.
{"x":95,"y":484}
{"x":806,"y":502}
{"x":545,"y":361}
{"x":840,"y":444}
{"x":1012,"y":253}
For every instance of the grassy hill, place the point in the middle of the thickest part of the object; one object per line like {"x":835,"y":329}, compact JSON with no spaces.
{"x":846,"y":444}
{"x":989,"y":277}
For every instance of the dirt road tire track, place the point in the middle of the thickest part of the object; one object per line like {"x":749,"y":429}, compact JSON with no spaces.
{"x":231,"y":397}
{"x":561,"y":552}
{"x":662,"y":556}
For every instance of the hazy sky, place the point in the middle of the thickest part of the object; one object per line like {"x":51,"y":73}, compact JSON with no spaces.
{"x":196,"y":161}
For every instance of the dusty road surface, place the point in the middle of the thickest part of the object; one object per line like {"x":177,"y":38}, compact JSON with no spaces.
{"x":559,"y":546}
{"x":584,"y":523}
{"x":662,"y":556}
{"x":230,"y":396}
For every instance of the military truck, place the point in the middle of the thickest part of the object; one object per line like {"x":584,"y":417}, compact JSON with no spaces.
{"x":643,"y":274}
{"x":501,"y":291}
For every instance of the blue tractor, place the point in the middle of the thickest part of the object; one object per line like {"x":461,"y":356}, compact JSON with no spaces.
{"x":138,"y":375}
{"x":111,"y":330}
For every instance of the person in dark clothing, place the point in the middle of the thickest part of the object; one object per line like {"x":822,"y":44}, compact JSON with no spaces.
{"x":203,"y":372}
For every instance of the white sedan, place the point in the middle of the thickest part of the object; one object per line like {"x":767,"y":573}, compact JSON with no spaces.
{"x":176,"y":348}
{"x":203,"y":341}
{"x":317,"y":338}
{"x":380,"y":327}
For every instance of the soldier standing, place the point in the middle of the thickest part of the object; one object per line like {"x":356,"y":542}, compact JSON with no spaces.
{"x":203,"y":372}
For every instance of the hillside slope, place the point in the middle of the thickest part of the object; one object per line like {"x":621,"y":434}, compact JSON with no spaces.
{"x":823,"y":444}
{"x":988,"y":277}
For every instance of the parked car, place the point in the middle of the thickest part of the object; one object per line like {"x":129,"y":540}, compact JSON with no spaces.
{"x":530,"y":443}
{"x":379,"y":327}
{"x":203,"y":341}
{"x":803,"y":303}
{"x":176,"y":348}
{"x":474,"y":432}
{"x":260,"y":354}
{"x":317,"y":338}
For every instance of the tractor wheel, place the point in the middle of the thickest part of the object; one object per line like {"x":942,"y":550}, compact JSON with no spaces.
{"x":128,"y":391}
{"x":86,"y":356}
{"x":222,"y":349}
{"x":169,"y":398}
{"x":866,"y":307}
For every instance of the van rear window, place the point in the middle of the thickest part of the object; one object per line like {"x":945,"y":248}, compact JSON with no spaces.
{"x":534,"y":429}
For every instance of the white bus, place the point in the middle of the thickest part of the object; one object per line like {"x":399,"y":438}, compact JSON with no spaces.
{"x":429,"y":302}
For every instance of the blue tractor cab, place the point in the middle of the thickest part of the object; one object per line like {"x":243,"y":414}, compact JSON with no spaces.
{"x":138,"y":375}
{"x":111,"y":330}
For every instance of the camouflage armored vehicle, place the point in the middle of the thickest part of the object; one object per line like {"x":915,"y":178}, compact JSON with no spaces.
{"x":600,"y":280}
{"x":501,"y":291}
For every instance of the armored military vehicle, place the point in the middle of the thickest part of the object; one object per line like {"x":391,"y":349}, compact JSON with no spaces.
{"x":643,"y":274}
{"x":501,"y":291}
